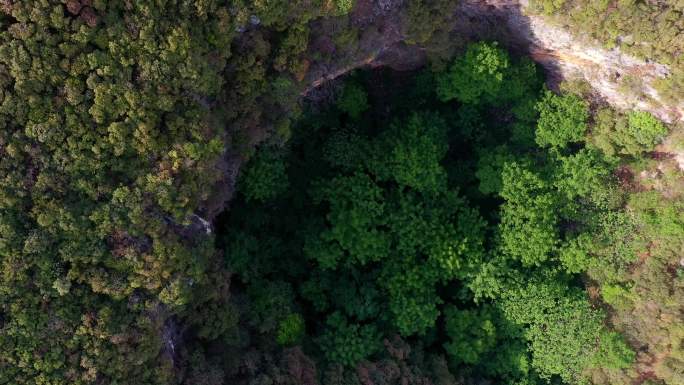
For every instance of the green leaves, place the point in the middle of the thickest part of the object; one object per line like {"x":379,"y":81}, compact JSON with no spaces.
{"x":271,"y":304}
{"x":290,"y":329}
{"x":376,"y":239}
{"x":344,"y":6}
{"x":630,"y":134}
{"x":348,"y":343}
{"x":561,"y":327}
{"x":428,"y":19}
{"x":582,"y":173}
{"x":481,"y":337}
{"x":353,"y":100}
{"x":264,"y":177}
{"x":562,"y":120}
{"x":356,"y":211}
{"x":410,"y":153}
{"x":476,"y":76}
{"x":643,"y":131}
{"x":528,"y":219}
{"x":347,"y":151}
{"x":614,"y":353}
{"x":413,"y":301}
{"x":472,"y":333}
{"x":421,"y":233}
{"x":108,"y":148}
{"x":490,"y":168}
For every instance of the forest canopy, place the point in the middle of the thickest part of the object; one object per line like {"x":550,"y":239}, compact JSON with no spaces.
{"x":402,"y":223}
{"x":181,"y":204}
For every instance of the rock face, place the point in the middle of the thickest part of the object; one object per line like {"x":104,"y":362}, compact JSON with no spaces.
{"x":381,"y":43}
{"x":619,"y":79}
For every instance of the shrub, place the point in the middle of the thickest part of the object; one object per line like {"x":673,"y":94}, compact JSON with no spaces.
{"x":633,"y":134}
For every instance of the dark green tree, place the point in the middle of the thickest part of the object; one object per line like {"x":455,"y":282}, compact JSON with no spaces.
{"x":348,"y":343}
{"x":353,"y":100}
{"x":265,"y":176}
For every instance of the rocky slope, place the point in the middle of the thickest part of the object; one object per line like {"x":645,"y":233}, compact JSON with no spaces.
{"x":624,"y":81}
{"x":620,"y":79}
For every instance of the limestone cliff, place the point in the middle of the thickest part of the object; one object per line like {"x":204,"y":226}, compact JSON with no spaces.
{"x":621,"y":80}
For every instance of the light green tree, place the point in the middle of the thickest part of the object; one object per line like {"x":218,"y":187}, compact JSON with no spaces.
{"x":562,"y":120}
{"x":476,"y":76}
{"x":528,"y":225}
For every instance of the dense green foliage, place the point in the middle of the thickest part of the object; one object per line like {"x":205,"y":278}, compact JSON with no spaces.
{"x":461,"y":230}
{"x":353,"y":100}
{"x":633,"y":134}
{"x":105,"y":148}
{"x":478,"y":75}
{"x":113,"y":132}
{"x":431,"y":229}
{"x":562,"y":120}
{"x":266,"y":177}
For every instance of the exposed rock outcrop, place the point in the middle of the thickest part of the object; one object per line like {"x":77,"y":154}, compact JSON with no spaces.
{"x":618,"y":79}
{"x":621,"y":80}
